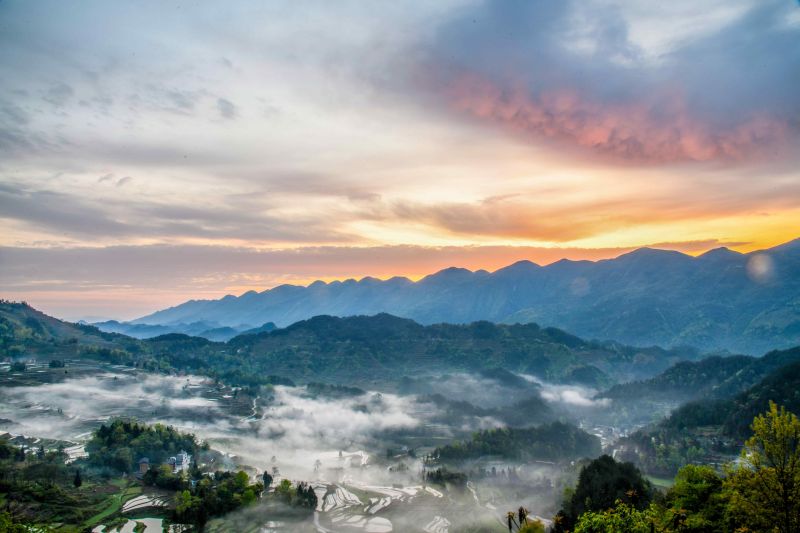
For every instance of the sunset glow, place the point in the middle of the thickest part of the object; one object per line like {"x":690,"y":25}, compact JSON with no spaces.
{"x":147,"y":157}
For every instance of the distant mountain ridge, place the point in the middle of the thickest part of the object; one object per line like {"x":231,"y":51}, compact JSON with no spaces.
{"x":355,"y":350}
{"x":721,"y":300}
{"x":208,"y":330}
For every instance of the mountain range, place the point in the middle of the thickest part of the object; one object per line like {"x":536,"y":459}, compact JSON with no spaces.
{"x":208,"y":330}
{"x":376,"y":349}
{"x":721,"y":300}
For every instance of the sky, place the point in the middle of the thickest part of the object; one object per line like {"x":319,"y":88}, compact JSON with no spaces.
{"x":154,"y":151}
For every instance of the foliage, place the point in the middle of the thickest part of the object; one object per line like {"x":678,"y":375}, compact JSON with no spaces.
{"x":329,"y":348}
{"x":121,"y":443}
{"x":759,"y":493}
{"x":10,"y":524}
{"x":214,"y":496}
{"x":766,"y":486}
{"x":622,"y":518}
{"x":714,"y":430}
{"x":163,"y":477}
{"x":532,"y":526}
{"x":41,"y":488}
{"x":601,"y":484}
{"x":550,"y":442}
{"x":443,"y":477}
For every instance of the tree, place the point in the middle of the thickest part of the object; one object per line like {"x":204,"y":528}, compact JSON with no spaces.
{"x":284,"y":490}
{"x":77,"y":481}
{"x":601,"y":484}
{"x":532,"y":526}
{"x":765,"y":488}
{"x":696,"y":501}
{"x":8,"y":524}
{"x":622,"y":518}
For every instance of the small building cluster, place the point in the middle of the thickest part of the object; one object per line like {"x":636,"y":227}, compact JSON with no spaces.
{"x":178,"y":463}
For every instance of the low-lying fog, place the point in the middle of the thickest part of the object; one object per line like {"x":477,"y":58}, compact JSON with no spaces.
{"x":300,"y":433}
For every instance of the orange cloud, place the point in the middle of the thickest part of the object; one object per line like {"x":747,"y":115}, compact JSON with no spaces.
{"x":658,"y":129}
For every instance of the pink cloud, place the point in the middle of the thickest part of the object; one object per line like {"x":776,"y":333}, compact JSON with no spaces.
{"x":659,"y":128}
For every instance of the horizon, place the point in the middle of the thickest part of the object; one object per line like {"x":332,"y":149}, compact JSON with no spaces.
{"x":414,"y":279}
{"x":150,"y":154}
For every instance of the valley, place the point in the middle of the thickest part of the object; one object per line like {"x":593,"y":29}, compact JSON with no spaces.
{"x":375,"y":452}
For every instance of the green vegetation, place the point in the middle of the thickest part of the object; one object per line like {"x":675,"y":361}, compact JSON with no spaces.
{"x":759,"y":493}
{"x":601,"y":483}
{"x":11,"y":524}
{"x":765,"y":490}
{"x":713,"y":430}
{"x":39,"y":488}
{"x":710,"y":378}
{"x":443,"y":477}
{"x":333,"y":391}
{"x":122,"y":443}
{"x":214,"y":496}
{"x":353,"y":349}
{"x":549,"y":442}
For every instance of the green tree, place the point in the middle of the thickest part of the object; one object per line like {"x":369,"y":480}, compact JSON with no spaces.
{"x":9,"y":524}
{"x":77,"y":481}
{"x":532,"y":526}
{"x":622,"y":518}
{"x":696,"y":501}
{"x":765,"y":487}
{"x":602,"y":483}
{"x":284,"y":490}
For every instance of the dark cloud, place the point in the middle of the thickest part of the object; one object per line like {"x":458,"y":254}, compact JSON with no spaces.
{"x":14,"y":113}
{"x":71,"y":215}
{"x":568,"y":72}
{"x":227,"y":109}
{"x":59,"y":94}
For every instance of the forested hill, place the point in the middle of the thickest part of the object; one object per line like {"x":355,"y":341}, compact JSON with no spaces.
{"x":713,"y":377}
{"x":362,"y":346}
{"x":711,"y":429}
{"x":734,"y":415}
{"x":745,"y":303}
{"x":25,"y":331}
{"x":344,"y":350}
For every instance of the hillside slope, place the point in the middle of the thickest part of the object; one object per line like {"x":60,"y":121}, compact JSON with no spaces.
{"x":380,"y":349}
{"x":713,"y":377}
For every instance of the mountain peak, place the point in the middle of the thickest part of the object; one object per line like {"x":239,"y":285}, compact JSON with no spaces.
{"x":719,"y":253}
{"x":647,"y":253}
{"x":520,"y":266}
{"x":449,"y":273}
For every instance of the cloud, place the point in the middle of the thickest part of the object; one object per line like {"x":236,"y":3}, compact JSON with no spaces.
{"x":112,"y":217}
{"x":59,"y":94}
{"x":569,"y":395}
{"x":226,"y":109}
{"x":569,"y":72}
{"x":294,"y":427}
